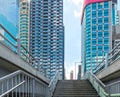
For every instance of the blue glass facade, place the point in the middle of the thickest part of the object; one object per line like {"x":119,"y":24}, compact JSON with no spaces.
{"x":97,"y":33}
{"x":8,"y":18}
{"x":47,"y":35}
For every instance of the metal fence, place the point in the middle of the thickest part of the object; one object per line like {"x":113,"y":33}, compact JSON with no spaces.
{"x":14,"y":44}
{"x":21,"y":84}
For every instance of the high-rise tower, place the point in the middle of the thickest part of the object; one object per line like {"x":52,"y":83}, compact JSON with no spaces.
{"x":47,"y":35}
{"x":24,"y":25}
{"x":98,"y":17}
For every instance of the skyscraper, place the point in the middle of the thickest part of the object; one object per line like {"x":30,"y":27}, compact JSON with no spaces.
{"x":47,"y":35}
{"x":98,"y":17}
{"x":24,"y":21}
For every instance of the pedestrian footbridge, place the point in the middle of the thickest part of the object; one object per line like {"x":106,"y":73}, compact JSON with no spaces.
{"x":22,"y":76}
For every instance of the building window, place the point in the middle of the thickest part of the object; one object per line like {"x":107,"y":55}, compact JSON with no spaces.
{"x":99,"y":13}
{"x":93,"y":28}
{"x":99,"y":20}
{"x":93,"y":14}
{"x":105,"y":12}
{"x":106,"y":27}
{"x":106,"y":4}
{"x":93,"y":6}
{"x":100,"y":5}
{"x":93,"y":21}
{"x":99,"y":27}
{"x":106,"y":20}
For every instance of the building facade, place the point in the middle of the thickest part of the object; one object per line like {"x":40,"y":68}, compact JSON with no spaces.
{"x":24,"y":25}
{"x":9,"y":20}
{"x":98,"y":17}
{"x":47,"y":35}
{"x":9,"y":15}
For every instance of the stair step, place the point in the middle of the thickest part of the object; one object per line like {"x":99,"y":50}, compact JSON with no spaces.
{"x":76,"y":96}
{"x":74,"y":88}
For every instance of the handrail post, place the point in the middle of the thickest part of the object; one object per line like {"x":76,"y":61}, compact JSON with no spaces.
{"x":18,"y":46}
{"x":108,"y":91}
{"x":33,"y":88}
{"x":106,"y":61}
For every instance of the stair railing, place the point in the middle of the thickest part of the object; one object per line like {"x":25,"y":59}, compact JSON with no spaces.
{"x":97,"y":84}
{"x":111,"y":90}
{"x":111,"y":57}
{"x":22,"y":84}
{"x":53,"y":84}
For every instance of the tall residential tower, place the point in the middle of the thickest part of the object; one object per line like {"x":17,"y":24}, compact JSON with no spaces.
{"x":98,"y":17}
{"x":47,"y":35}
{"x":24,"y":21}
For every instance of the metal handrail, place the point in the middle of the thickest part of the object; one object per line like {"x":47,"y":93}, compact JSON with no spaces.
{"x":113,"y":55}
{"x":10,"y":75}
{"x":97,"y":84}
{"x":53,"y":84}
{"x":17,"y":86}
{"x":100,"y":82}
{"x":16,"y":81}
{"x":102,"y":89}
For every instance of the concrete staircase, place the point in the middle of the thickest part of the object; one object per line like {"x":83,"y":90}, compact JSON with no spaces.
{"x":74,"y":88}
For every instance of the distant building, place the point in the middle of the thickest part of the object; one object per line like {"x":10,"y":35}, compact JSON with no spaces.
{"x":24,"y":23}
{"x":71,"y":75}
{"x":118,"y":17}
{"x":65,"y":74}
{"x":116,"y":31}
{"x":79,"y":72}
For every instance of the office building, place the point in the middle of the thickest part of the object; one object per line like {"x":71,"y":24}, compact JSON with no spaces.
{"x":98,"y":17}
{"x":47,"y":35}
{"x":71,"y":75}
{"x":79,"y":72}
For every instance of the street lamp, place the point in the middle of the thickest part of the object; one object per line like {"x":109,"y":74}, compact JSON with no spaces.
{"x":75,"y":68}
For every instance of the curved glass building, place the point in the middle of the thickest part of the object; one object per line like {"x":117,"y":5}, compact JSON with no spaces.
{"x":47,"y":35}
{"x":98,"y":17}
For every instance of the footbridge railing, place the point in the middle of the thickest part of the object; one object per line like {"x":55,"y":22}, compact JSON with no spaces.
{"x":14,"y":44}
{"x":111,"y":57}
{"x":22,"y":84}
{"x":111,"y":90}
